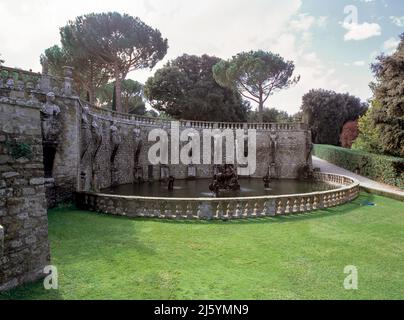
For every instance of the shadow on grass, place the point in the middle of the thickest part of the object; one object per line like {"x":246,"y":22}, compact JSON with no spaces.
{"x":33,"y":290}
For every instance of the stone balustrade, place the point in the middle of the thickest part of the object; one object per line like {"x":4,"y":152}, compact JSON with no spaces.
{"x":223,"y":208}
{"x":108,"y":114}
{"x":22,"y":80}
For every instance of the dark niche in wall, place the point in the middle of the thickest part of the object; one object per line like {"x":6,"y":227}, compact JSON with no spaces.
{"x":49,"y":152}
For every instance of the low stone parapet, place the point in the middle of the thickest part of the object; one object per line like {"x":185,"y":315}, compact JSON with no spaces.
{"x":222,"y":208}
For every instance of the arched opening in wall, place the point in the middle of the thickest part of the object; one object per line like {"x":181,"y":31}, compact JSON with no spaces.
{"x":49,"y":152}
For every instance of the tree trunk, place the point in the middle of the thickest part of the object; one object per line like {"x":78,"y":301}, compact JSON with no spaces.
{"x":91,"y":89}
{"x":114,"y":99}
{"x":261,"y":106}
{"x":118,"y":97}
{"x":261,"y":111}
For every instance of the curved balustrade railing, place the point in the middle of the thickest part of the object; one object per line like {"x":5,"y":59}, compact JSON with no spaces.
{"x":22,"y":80}
{"x":223,"y":208}
{"x":110,"y":115}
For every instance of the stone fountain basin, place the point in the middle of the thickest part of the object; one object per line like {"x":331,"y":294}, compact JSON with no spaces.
{"x":346,"y":189}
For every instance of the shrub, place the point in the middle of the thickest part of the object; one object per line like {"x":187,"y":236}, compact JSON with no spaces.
{"x":349,"y":133}
{"x":369,"y":133}
{"x":389,"y":170}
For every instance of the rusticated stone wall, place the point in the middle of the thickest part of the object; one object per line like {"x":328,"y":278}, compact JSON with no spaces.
{"x":284,"y":151}
{"x":24,"y":249}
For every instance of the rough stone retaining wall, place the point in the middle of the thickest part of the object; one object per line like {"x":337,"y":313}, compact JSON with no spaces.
{"x":293,"y":149}
{"x":24,"y":249}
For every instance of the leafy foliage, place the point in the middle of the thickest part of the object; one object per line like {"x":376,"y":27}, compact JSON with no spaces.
{"x":122,"y":42}
{"x":185,"y":89}
{"x":349,"y":133}
{"x":327,"y":111}
{"x":389,"y":92}
{"x":132,"y":96}
{"x":89,"y":73}
{"x":270,"y":115}
{"x":255,"y":75}
{"x":19,"y":150}
{"x":369,"y":134}
{"x":384,"y":169}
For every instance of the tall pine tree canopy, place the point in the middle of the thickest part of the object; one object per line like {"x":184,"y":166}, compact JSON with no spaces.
{"x":119,"y":42}
{"x":256,"y":75}
{"x":185,"y":89}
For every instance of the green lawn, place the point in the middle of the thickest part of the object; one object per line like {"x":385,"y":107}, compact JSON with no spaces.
{"x":291,"y":257}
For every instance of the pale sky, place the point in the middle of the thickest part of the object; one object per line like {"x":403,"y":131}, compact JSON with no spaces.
{"x":328,"y":52}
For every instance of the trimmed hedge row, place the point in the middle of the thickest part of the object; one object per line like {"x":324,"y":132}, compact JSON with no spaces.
{"x":389,"y":170}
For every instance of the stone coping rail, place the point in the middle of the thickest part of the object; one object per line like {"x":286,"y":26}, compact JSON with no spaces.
{"x":110,"y":115}
{"x":22,"y":80}
{"x":222,"y":208}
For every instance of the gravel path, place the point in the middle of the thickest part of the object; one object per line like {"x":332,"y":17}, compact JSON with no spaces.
{"x":365,"y":182}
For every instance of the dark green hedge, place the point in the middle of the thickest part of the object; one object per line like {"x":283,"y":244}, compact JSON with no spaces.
{"x":384,"y":169}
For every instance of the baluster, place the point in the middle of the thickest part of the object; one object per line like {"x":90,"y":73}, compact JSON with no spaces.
{"x":279,"y":207}
{"x":20,"y":81}
{"x":219,"y":211}
{"x":264,"y":210}
{"x":295,"y":205}
{"x":326,"y":203}
{"x":237,"y":212}
{"x":198,"y":211}
{"x":302,"y":205}
{"x":157,"y":211}
{"x":332,"y":200}
{"x":246,"y":211}
{"x":228,"y":211}
{"x":308,"y":204}
{"x":189,"y":212}
{"x":255,"y":210}
{"x":178,"y":211}
{"x":163,"y":210}
{"x":287,"y":207}
{"x":315,"y":203}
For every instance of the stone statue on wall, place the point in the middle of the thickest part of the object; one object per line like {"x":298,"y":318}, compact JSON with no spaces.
{"x":49,"y":119}
{"x":267,"y":181}
{"x":85,"y":132}
{"x":273,"y":149}
{"x":115,"y":143}
{"x":51,"y":129}
{"x":96,"y":134}
{"x":273,"y":143}
{"x":138,"y":143}
{"x":85,"y":147}
{"x":170,"y":185}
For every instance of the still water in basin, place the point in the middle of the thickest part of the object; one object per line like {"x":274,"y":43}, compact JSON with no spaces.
{"x":200,"y":188}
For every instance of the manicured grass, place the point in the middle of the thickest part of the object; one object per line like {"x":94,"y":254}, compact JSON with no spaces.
{"x":293,"y":257}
